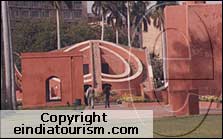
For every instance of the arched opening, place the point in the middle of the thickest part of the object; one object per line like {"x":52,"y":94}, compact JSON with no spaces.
{"x":53,"y":89}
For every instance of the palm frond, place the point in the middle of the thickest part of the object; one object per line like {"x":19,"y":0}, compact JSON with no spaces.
{"x":57,"y":4}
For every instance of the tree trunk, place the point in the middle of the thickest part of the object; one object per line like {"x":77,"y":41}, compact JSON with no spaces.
{"x":102,"y":26}
{"x":8,"y":58}
{"x":3,"y":98}
{"x":128,"y":18}
{"x":116,"y":34}
{"x":13,"y":91}
{"x":58,"y":29}
{"x":164,"y":52}
{"x":140,"y":37}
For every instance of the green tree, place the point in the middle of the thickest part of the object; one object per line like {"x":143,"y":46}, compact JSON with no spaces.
{"x":30,"y":36}
{"x":157,"y":66}
{"x":99,"y":8}
{"x":139,"y":19}
{"x":57,"y":5}
{"x":80,"y":32}
{"x":40,"y":36}
{"x":157,"y":15}
{"x":115,"y":16}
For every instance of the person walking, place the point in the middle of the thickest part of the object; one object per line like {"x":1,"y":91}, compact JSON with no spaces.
{"x":85,"y":94}
{"x":107,"y":93}
{"x":90,"y":94}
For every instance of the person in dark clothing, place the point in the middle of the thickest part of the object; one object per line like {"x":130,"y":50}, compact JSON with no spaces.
{"x":107,"y":93}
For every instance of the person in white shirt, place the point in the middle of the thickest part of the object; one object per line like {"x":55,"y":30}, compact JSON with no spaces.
{"x":90,"y":94}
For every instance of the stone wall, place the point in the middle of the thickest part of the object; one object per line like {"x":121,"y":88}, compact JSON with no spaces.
{"x":194,"y":54}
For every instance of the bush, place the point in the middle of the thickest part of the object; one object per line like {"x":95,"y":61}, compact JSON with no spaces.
{"x":19,"y":103}
{"x":132,"y":99}
{"x":99,"y":97}
{"x":157,"y":66}
{"x":208,"y":98}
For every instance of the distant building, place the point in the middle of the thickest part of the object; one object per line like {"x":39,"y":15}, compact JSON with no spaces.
{"x":21,"y":10}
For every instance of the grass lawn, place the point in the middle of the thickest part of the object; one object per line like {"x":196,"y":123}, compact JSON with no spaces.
{"x":210,"y":128}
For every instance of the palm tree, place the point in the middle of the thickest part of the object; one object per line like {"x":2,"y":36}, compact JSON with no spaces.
{"x":158,"y":21}
{"x":121,"y":14}
{"x":128,"y":23}
{"x":115,"y":16}
{"x":99,"y":8}
{"x":128,"y":13}
{"x":139,"y":19}
{"x":57,"y":5}
{"x":158,"y":12}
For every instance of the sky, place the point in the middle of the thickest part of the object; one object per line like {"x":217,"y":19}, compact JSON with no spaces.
{"x":89,"y":4}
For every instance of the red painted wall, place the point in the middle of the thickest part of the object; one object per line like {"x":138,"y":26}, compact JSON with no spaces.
{"x":68,"y":67}
{"x":194,"y":39}
{"x":116,"y":66}
{"x":38,"y":67}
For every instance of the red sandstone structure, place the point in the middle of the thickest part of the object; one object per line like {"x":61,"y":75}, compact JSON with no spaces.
{"x":194,"y":64}
{"x":194,"y":54}
{"x":50,"y":79}
{"x":58,"y":77}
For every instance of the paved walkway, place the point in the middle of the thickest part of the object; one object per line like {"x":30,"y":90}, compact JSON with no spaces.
{"x":159,"y":110}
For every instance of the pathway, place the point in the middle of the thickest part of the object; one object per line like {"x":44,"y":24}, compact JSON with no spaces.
{"x":159,"y":110}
